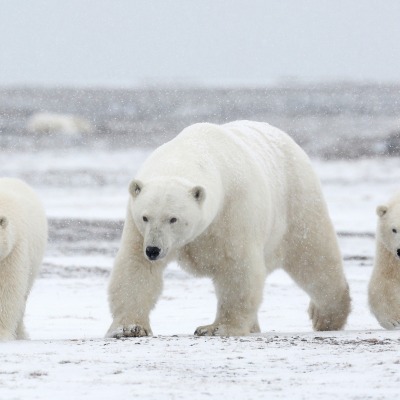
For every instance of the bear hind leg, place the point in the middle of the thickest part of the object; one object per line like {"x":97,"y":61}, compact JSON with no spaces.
{"x":322,"y":278}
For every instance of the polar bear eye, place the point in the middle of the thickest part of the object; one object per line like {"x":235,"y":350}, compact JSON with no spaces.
{"x":172,"y":220}
{"x":145,"y":219}
{"x":394,"y":230}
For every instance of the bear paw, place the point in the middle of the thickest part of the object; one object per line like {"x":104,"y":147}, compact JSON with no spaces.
{"x":132,"y":330}
{"x":220,"y":330}
{"x":390,"y":323}
{"x":324,"y":320}
{"x":207,"y":330}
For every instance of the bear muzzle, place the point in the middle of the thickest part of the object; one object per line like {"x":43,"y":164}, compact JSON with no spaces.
{"x":153,"y":252}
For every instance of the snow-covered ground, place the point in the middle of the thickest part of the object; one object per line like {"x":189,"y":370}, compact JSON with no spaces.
{"x":85,"y":194}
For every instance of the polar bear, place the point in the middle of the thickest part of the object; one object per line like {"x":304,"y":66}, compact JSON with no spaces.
{"x":23,"y":238}
{"x":53,"y":123}
{"x":384,"y":285}
{"x":231,"y":202}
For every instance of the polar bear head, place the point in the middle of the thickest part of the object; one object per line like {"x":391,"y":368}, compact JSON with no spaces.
{"x":168,"y":214}
{"x":389,"y":227}
{"x":6,"y":237}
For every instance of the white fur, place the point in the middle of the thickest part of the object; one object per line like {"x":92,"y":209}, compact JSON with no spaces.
{"x":246,"y":201}
{"x":23,"y":238}
{"x":384,"y":286}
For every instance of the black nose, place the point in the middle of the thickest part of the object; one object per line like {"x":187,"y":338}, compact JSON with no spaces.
{"x":152,"y":252}
{"x":398,"y":253}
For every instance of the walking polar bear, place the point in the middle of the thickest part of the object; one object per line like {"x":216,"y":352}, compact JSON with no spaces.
{"x":231,"y":202}
{"x":384,"y":286}
{"x":23,"y":238}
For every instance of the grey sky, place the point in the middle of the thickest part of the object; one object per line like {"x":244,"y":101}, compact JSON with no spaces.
{"x":217,"y":42}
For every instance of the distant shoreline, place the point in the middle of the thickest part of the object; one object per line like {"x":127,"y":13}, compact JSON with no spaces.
{"x":329,"y":120}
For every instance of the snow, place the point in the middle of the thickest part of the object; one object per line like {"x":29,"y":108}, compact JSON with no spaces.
{"x":85,"y":194}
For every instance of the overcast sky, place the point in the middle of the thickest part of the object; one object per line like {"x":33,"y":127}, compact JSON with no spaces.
{"x":207,"y":42}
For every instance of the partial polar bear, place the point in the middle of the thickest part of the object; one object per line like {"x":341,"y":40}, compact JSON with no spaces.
{"x":45,"y":122}
{"x":231,"y":202}
{"x":384,"y":286}
{"x":23,"y":239}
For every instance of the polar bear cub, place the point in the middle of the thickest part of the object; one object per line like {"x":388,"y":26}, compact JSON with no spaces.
{"x":384,"y":286}
{"x":23,"y":238}
{"x":231,"y":202}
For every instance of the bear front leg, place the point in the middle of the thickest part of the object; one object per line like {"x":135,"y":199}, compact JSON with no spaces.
{"x":134,"y":289}
{"x":13,"y":288}
{"x":133,"y":293}
{"x":239,"y":291}
{"x":384,"y":300}
{"x":135,"y":286}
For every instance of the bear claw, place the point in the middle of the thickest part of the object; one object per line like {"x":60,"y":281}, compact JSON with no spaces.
{"x":390,"y":324}
{"x":129,"y":331}
{"x":222,"y":330}
{"x":208,"y":330}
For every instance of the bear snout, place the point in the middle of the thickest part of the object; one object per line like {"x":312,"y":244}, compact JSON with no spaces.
{"x":152,"y":252}
{"x":398,"y":253}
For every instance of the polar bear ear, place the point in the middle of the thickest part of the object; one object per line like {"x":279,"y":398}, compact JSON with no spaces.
{"x":135,"y":187}
{"x":199,"y":194}
{"x":381,"y":211}
{"x":3,"y":222}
